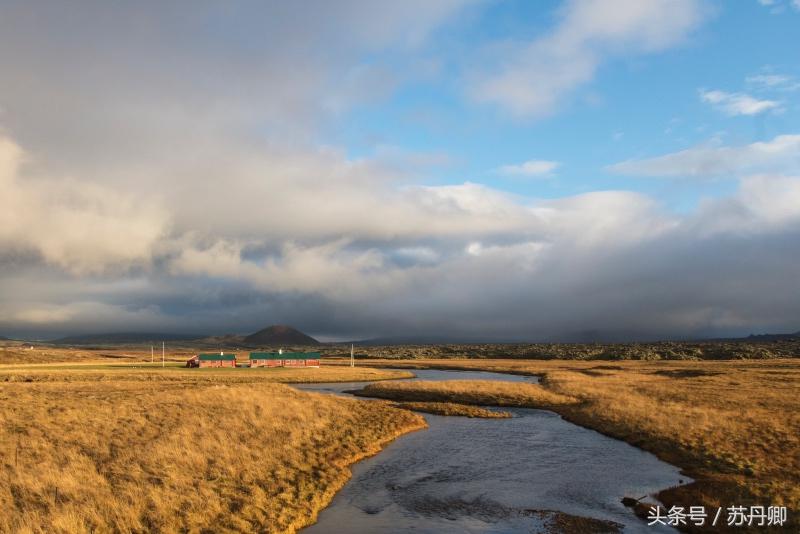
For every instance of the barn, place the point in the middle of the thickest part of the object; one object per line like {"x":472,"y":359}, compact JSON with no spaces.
{"x":300,"y":359}
{"x":216,"y":360}
{"x":284,"y":359}
{"x":266,"y":359}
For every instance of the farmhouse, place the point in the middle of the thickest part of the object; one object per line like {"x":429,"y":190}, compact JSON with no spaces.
{"x":266,"y":359}
{"x":284,"y":359}
{"x":216,"y":360}
{"x":301,"y":359}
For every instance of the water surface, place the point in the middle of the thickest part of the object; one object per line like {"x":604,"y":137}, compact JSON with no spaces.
{"x":485,"y":475}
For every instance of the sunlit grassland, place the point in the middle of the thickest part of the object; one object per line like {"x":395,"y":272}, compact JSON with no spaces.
{"x":175,"y":373}
{"x":733,"y":425}
{"x":18,"y":353}
{"x":477,"y":392}
{"x":132,"y":450}
{"x":453,"y":409}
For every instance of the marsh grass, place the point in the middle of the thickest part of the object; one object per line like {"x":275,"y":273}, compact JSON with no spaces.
{"x":19,"y":353}
{"x":157,"y":454}
{"x":181,"y":375}
{"x":479,"y":392}
{"x":453,"y":409}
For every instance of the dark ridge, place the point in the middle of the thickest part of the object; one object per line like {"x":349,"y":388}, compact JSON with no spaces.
{"x":280,"y":335}
{"x":772,"y":337}
{"x":122,"y":337}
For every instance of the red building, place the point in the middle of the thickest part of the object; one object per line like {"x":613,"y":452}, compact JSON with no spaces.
{"x":216,"y":360}
{"x":284,"y":359}
{"x":266,"y":359}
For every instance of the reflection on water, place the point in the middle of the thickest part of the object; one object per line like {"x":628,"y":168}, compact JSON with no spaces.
{"x":487,"y":475}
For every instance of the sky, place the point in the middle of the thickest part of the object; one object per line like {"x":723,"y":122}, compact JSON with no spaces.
{"x":473,"y":170}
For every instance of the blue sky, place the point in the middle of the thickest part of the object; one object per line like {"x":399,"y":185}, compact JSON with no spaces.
{"x":453,"y":169}
{"x":635,"y":107}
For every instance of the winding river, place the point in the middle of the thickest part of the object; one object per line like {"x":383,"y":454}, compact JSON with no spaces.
{"x":489,"y":475}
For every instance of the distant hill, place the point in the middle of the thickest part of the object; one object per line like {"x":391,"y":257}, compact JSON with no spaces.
{"x":122,"y":337}
{"x":280,"y":335}
{"x":409,"y":340}
{"x":580,"y":337}
{"x":224,"y":339}
{"x":772,"y":337}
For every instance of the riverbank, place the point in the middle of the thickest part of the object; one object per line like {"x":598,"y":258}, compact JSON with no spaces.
{"x":469,"y":392}
{"x":94,"y":450}
{"x":733,"y":426}
{"x":452,"y":409}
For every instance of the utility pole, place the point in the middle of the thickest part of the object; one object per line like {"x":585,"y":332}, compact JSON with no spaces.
{"x":352,"y":356}
{"x":162,"y":354}
{"x":151,"y":353}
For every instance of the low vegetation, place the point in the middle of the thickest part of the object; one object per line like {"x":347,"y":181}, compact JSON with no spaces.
{"x":668,"y":350}
{"x":16,"y":352}
{"x":179,"y":375}
{"x":734,"y":426}
{"x":24,"y":353}
{"x":480,"y":392}
{"x":178,"y":451}
{"x":452,"y":409}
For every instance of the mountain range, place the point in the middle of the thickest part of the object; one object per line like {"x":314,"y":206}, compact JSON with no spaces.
{"x":275,"y":335}
{"x":284,"y":335}
{"x":279,"y":335}
{"x":122,"y":337}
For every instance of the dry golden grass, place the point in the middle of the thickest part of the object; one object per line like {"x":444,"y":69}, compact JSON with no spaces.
{"x":734,"y":425}
{"x":21,"y":353}
{"x":480,"y":392}
{"x":156,"y":453}
{"x":173,"y":374}
{"x":452,"y":409}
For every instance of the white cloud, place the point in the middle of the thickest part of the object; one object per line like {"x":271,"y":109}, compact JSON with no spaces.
{"x":81,"y":227}
{"x":534,"y":167}
{"x":777,"y":6}
{"x":738,"y":103}
{"x":533,"y":78}
{"x":773,"y":82}
{"x":768,"y":80}
{"x":762,"y":204}
{"x":780,"y":154}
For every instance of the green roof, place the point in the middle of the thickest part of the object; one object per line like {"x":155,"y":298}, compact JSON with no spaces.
{"x":284,"y":356}
{"x":216,"y":357}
